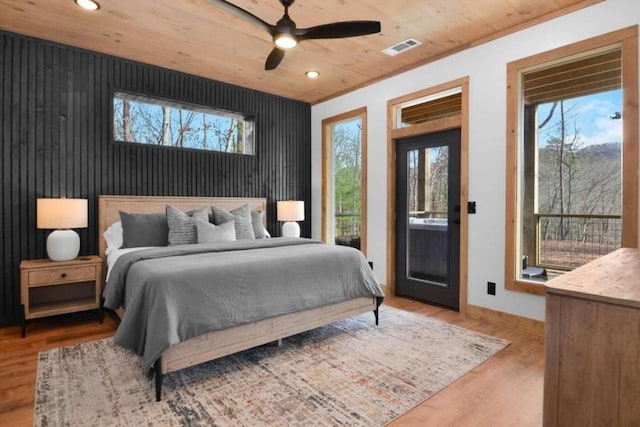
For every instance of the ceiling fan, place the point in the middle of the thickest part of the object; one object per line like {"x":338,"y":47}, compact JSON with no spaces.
{"x":286,"y":35}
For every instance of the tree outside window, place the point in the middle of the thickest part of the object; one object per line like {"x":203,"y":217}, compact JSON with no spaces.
{"x":344,"y":178}
{"x":577,"y":187}
{"x":146,"y":120}
{"x":572,"y":158}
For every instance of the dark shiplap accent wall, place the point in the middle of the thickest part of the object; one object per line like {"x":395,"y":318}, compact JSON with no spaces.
{"x":56,"y":141}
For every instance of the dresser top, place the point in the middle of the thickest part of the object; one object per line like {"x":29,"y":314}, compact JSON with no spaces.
{"x":613,"y":278}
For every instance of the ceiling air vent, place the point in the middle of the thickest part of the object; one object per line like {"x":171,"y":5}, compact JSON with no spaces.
{"x":403,"y":46}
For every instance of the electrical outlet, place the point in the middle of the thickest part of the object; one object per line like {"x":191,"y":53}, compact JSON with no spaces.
{"x":491,"y":288}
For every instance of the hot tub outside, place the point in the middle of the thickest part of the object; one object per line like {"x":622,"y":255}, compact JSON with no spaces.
{"x":428,"y":248}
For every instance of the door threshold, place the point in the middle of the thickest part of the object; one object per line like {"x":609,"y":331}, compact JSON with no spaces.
{"x":423,"y":301}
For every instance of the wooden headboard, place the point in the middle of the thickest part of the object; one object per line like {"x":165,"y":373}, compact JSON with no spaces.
{"x":109,"y":208}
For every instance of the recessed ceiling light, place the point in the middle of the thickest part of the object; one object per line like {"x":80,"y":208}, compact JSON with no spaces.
{"x":88,"y":4}
{"x":312,"y":74}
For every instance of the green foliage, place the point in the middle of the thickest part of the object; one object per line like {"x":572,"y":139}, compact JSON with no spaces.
{"x":347,"y":161}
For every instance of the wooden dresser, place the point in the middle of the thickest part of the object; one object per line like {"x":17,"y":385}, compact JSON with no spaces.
{"x":592,"y":344}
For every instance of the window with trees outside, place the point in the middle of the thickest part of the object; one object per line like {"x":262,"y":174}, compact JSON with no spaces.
{"x":344,"y":175}
{"x":146,"y":120}
{"x":569,"y":181}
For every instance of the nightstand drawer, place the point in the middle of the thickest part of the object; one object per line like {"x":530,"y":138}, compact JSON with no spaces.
{"x":63,"y":274}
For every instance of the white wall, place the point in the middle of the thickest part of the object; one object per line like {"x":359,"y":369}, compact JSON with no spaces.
{"x":486,"y":67}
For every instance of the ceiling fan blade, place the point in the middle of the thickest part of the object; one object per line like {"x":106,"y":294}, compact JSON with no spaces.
{"x":339,"y":30}
{"x":274,"y":59}
{"x":243,"y":14}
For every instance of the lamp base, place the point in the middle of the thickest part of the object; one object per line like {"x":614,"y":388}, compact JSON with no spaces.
{"x":63,"y":245}
{"x":290,"y":229}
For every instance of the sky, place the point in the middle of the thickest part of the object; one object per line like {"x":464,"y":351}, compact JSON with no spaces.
{"x":592,"y":116}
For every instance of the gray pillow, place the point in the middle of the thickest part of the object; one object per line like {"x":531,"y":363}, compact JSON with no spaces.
{"x":144,"y":229}
{"x":182,"y":226}
{"x":211,"y":233}
{"x":241,"y":217}
{"x":257,"y":221}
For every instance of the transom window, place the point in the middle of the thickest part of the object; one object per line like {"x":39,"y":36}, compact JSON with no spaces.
{"x":147,"y":120}
{"x":434,"y":106}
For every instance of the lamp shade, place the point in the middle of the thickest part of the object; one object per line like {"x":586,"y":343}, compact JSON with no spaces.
{"x":61,"y":213}
{"x":290,"y":210}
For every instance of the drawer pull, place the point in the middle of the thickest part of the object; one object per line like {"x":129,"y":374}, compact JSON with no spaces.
{"x":63,"y":275}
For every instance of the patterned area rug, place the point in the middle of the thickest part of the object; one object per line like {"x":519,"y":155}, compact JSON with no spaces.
{"x":348,"y":373}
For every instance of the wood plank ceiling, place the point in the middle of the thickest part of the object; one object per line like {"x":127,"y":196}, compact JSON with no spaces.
{"x":195,"y":37}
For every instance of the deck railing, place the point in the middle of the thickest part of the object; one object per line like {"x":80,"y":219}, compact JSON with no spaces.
{"x":428,"y":214}
{"x":568,"y":241}
{"x":347,"y":229}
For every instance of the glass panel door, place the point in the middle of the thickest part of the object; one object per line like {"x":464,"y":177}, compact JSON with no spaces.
{"x":428,"y":218}
{"x":427,"y":213}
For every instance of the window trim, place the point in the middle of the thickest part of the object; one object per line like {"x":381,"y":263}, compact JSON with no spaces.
{"x":326,"y":164}
{"x":627,"y":38}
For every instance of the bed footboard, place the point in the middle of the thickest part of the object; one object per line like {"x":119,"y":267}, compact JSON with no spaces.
{"x":216,"y":344}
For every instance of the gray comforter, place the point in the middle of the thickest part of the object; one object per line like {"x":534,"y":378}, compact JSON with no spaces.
{"x":174,"y":293}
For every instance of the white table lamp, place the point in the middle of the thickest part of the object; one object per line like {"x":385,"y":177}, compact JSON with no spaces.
{"x":62,"y":215}
{"x":290,"y":211}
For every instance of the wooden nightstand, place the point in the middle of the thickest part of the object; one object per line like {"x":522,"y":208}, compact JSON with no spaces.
{"x":48,"y":288}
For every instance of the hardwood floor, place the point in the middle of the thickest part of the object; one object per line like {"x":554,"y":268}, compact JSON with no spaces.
{"x":19,"y":357}
{"x":504,"y":391}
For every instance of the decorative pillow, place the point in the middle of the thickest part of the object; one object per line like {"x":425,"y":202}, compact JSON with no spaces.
{"x":113,"y":237}
{"x":241,"y":217}
{"x":182,"y":226}
{"x":210,"y":233}
{"x":144,"y":229}
{"x":257,"y":221}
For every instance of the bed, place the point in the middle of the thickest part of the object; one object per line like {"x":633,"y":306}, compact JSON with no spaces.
{"x":229,"y":332}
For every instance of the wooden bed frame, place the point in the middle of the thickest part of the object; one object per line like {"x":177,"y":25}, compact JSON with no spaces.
{"x":215,"y":344}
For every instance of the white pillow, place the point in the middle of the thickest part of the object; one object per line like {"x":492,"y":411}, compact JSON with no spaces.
{"x":210,"y":233}
{"x":113,"y":237}
{"x":257,"y":222}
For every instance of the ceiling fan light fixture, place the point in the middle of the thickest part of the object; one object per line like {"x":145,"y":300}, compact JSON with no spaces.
{"x":88,"y":4}
{"x":312,"y":74}
{"x":286,"y":35}
{"x":285,"y":41}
